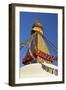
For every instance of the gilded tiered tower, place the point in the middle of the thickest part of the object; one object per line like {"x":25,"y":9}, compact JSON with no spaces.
{"x":40,"y":43}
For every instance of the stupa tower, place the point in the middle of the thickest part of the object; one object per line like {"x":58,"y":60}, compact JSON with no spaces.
{"x":39,"y":41}
{"x":38,"y":51}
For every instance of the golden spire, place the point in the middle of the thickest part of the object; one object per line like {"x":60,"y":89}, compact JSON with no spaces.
{"x":37,"y":26}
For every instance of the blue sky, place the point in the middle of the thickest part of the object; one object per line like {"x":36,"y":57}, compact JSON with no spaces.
{"x":50,"y":25}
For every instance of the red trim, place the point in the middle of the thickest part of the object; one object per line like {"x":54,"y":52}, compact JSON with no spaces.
{"x":45,"y":56}
{"x":40,"y":54}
